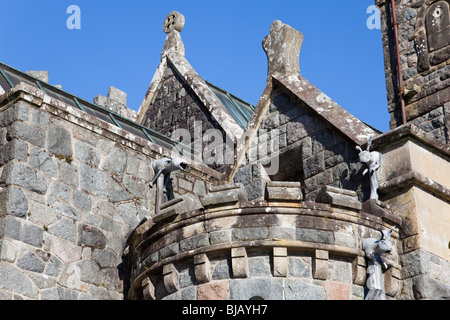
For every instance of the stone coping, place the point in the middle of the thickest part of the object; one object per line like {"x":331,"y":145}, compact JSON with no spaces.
{"x":148,"y":231}
{"x":412,"y":178}
{"x":200,"y":224}
{"x":319,"y":103}
{"x":198,"y":86}
{"x":409,"y":131}
{"x":38,"y":98}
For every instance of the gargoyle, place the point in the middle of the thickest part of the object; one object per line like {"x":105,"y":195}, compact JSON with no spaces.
{"x":162,"y":168}
{"x":374,"y":249}
{"x":165,"y":166}
{"x":373,"y":161}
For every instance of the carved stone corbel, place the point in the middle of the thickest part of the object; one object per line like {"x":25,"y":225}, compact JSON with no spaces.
{"x":320,"y":265}
{"x":202,"y":268}
{"x":171,"y":276}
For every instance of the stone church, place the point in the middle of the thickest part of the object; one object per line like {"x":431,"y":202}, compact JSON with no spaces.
{"x":200,"y":195}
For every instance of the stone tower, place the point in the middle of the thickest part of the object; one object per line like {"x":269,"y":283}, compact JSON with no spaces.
{"x":419,"y":50}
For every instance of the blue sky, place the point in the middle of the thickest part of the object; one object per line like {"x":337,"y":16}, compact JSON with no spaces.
{"x":120,"y":42}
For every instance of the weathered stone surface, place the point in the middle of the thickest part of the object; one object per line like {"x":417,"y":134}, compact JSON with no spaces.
{"x":194,"y":242}
{"x":19,"y":111}
{"x":136,"y":186}
{"x":320,"y":265}
{"x":298,"y":289}
{"x":53,"y":267}
{"x":59,"y":141}
{"x":41,"y":160}
{"x":91,"y":236}
{"x":81,"y":200}
{"x":249,"y":234}
{"x":41,"y":75}
{"x":239,"y":262}
{"x":68,"y":172}
{"x":217,"y":290}
{"x":392,"y":282}
{"x":284,"y":191}
{"x":336,"y":290}
{"x":202,"y":268}
{"x":31,"y":234}
{"x":117,"y":192}
{"x":25,"y":132}
{"x":282,"y":47}
{"x":381,"y":210}
{"x":13,"y":202}
{"x":30,"y":261}
{"x":172,"y":208}
{"x":129,"y":214}
{"x":339,"y":198}
{"x":93,"y":181}
{"x":425,"y":287}
{"x":280,"y":262}
{"x":17,"y":173}
{"x":39,"y":118}
{"x":256,"y":288}
{"x":14,"y":149}
{"x":17,"y":281}
{"x":117,"y":95}
{"x":312,"y":235}
{"x":87,"y":154}
{"x":116,"y":162}
{"x":226,"y":194}
{"x":171,"y":276}
{"x":65,"y":250}
{"x":64,"y":209}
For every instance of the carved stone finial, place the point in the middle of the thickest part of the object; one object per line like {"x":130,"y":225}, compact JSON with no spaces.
{"x":173,"y":21}
{"x":282,"y":47}
{"x":173,"y":24}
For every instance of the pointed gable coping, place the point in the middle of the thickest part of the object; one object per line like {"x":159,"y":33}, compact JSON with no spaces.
{"x":199,"y":87}
{"x":206,"y":96}
{"x":319,"y":103}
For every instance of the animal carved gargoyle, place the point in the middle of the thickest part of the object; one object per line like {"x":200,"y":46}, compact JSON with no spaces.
{"x":164,"y":167}
{"x":373,"y":161}
{"x":374,"y":249}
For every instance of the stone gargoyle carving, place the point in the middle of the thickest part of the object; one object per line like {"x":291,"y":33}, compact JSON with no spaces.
{"x":374,"y":249}
{"x":162,"y":168}
{"x":373,"y":161}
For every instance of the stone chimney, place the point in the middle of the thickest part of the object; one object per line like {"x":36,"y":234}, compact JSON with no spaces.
{"x":42,"y":76}
{"x":116,"y":102}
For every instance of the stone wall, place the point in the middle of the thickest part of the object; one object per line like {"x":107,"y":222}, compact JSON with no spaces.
{"x":416,"y":190}
{"x":424,"y":64}
{"x":304,"y":148}
{"x":72,"y":188}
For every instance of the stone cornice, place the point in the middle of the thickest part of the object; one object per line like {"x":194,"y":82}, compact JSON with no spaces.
{"x":413,"y":178}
